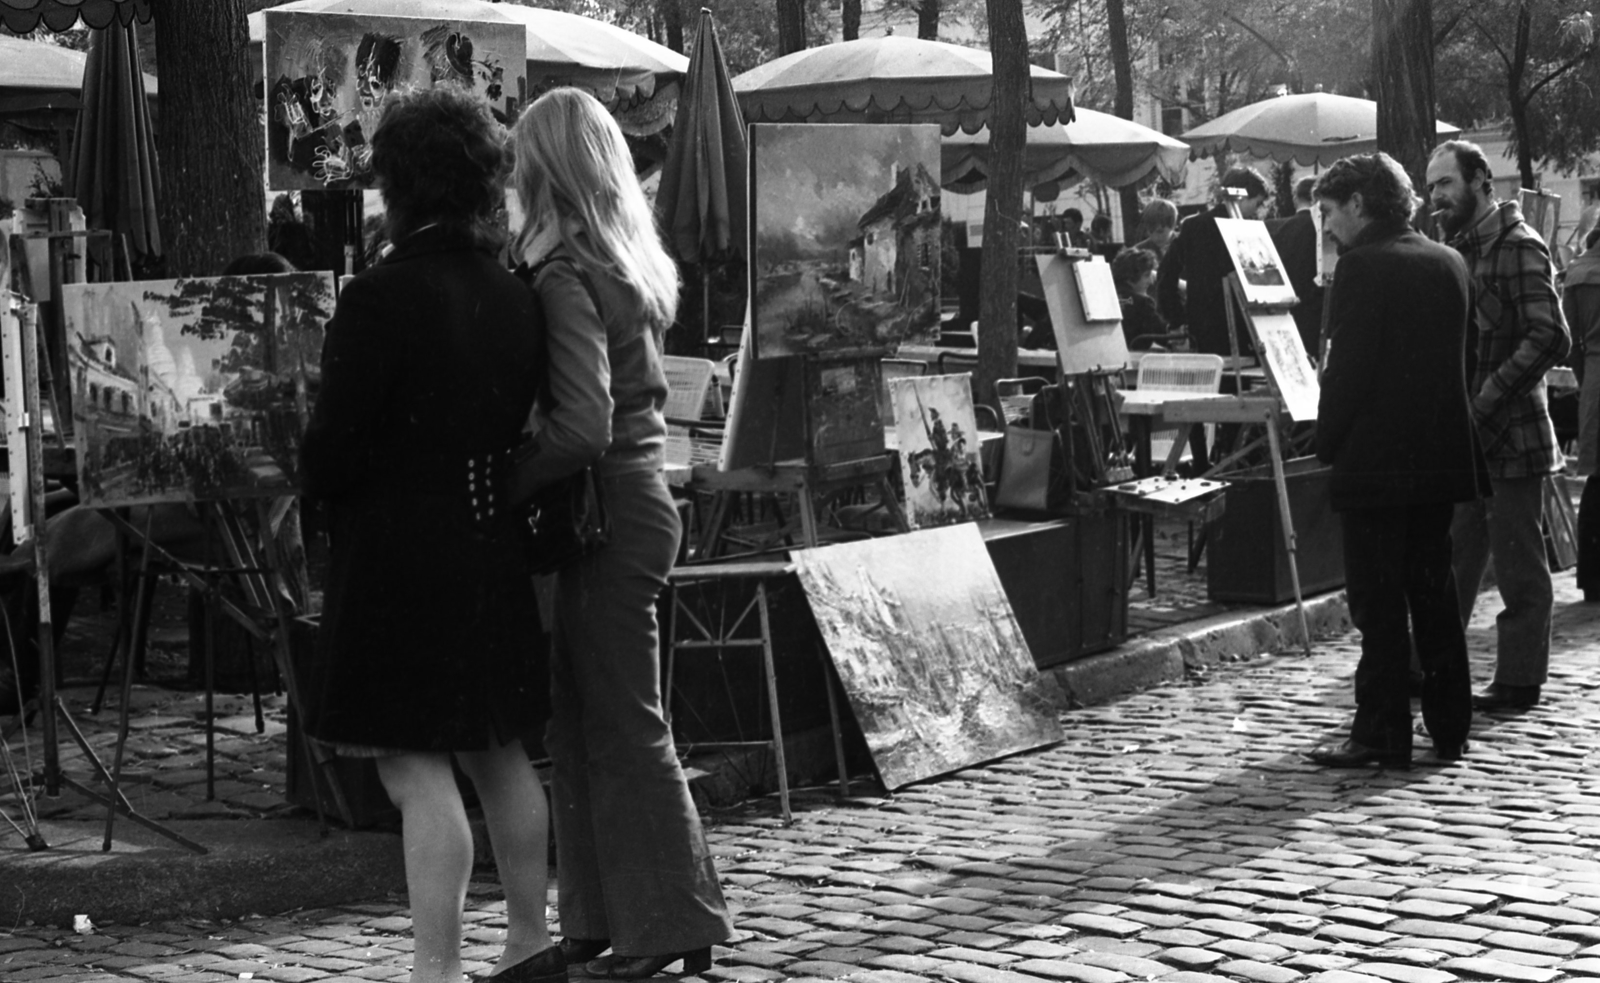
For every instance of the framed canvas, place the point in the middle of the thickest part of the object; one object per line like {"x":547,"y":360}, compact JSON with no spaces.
{"x":1082,"y":345}
{"x":193,"y":388}
{"x":327,"y":74}
{"x":1284,"y":354}
{"x":846,"y":235}
{"x":928,"y":651}
{"x":937,"y":431}
{"x":1260,"y":268}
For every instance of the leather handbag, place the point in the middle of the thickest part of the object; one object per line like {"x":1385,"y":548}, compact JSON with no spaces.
{"x":565,"y":521}
{"x":1035,"y":470}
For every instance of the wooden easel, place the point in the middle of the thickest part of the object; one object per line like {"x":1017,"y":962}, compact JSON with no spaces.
{"x":821,"y":469}
{"x":1266,"y":411}
{"x":54,"y":710}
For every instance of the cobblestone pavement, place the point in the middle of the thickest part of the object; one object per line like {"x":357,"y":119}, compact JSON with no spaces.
{"x":1175,"y":835}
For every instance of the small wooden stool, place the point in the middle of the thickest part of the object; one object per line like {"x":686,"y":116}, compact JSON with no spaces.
{"x":725,"y":634}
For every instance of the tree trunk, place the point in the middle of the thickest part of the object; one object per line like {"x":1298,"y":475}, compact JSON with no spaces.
{"x":1122,"y":73}
{"x":210,"y":140}
{"x":851,"y":16}
{"x":1002,"y":214}
{"x":928,"y":20}
{"x":1402,"y":72}
{"x":672,"y":17}
{"x":791,"y":26}
{"x":1516,"y":72}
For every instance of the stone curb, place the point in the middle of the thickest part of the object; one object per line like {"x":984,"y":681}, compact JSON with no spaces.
{"x":1165,"y":655}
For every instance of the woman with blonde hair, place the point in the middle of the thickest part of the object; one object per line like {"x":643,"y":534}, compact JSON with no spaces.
{"x":636,"y":876}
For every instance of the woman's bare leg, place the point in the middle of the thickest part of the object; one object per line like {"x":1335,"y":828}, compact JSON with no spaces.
{"x":438,"y":851}
{"x":515,"y":811}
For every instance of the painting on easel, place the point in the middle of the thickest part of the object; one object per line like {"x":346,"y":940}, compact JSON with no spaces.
{"x":847,"y":237}
{"x":193,"y":388}
{"x":327,"y":74}
{"x":937,"y":430}
{"x":1261,"y":271}
{"x":928,"y":651}
{"x":1278,"y":341}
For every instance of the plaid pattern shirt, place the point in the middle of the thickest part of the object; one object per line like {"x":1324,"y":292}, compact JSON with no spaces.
{"x":1521,"y":335}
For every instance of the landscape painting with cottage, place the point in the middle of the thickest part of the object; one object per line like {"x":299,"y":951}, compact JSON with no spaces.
{"x":193,"y":388}
{"x":847,"y":237}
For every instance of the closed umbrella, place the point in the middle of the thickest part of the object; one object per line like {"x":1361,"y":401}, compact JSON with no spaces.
{"x":704,"y":182}
{"x":1312,"y":128}
{"x":891,"y":79}
{"x":22,"y":16}
{"x":115,"y":175}
{"x":1105,"y":148}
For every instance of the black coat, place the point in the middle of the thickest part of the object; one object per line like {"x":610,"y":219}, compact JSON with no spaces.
{"x":1394,"y":419}
{"x":1199,"y":257}
{"x":430,"y":630}
{"x":1296,"y":240}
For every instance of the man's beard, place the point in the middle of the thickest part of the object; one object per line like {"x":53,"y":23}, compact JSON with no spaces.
{"x":1456,"y":212}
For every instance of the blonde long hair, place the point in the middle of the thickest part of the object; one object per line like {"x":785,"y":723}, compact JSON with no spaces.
{"x":574,"y":172}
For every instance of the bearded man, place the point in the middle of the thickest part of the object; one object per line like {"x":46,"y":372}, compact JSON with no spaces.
{"x":1520,"y":335}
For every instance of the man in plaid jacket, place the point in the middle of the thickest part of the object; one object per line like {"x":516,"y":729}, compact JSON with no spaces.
{"x":1521,"y":333}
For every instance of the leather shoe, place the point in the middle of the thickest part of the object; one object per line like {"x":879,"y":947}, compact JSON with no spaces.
{"x":1499,"y":696}
{"x":579,"y":951}
{"x":546,"y":966}
{"x":1451,"y":752}
{"x":616,"y":967}
{"x":1353,"y":754}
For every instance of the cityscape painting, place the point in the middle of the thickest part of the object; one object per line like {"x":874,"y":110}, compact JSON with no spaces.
{"x":847,"y":236}
{"x":327,"y":75}
{"x":194,"y":388}
{"x":928,"y":651}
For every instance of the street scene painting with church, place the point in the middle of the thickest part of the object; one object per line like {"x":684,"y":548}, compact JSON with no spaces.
{"x":847,"y":237}
{"x":194,"y":388}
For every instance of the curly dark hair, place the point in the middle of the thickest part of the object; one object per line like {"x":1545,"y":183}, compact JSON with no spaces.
{"x":1385,"y":188}
{"x":439,"y":157}
{"x":1131,"y":264}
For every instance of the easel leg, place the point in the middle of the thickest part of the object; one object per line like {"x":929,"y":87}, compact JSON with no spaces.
{"x":213,"y":589}
{"x":317,"y":760}
{"x":126,"y":694}
{"x":1288,"y":528}
{"x":772,"y":700}
{"x":828,"y":685}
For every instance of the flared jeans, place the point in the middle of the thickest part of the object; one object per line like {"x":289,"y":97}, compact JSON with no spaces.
{"x":632,"y":863}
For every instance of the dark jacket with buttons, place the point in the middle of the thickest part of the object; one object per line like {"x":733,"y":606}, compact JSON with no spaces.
{"x":430,"y":631}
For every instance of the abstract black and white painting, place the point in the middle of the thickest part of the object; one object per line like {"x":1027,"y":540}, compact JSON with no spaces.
{"x":327,"y":75}
{"x":928,"y":651}
{"x":194,"y":388}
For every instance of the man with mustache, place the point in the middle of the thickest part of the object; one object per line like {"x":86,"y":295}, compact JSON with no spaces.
{"x":1520,"y":334}
{"x":1398,"y":318}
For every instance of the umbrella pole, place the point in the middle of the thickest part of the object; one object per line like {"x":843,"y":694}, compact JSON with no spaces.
{"x":705,"y":304}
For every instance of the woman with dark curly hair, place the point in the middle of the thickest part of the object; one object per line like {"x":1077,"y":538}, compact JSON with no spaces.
{"x":428,"y":648}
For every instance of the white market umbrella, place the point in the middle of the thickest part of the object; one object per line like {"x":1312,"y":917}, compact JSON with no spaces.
{"x":891,"y":79}
{"x":1099,"y":146}
{"x":1312,"y":128}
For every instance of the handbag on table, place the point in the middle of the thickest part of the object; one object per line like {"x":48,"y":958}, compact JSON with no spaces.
{"x":1035,"y":468}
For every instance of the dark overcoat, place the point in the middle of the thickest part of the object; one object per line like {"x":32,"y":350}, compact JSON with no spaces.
{"x":1393,"y":418}
{"x":1296,"y":241}
{"x":1200,"y":259}
{"x":430,"y":629}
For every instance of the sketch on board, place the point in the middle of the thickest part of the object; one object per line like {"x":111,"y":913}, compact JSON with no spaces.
{"x":1261,"y":271}
{"x":928,"y":651}
{"x":847,"y":237}
{"x":1278,"y":342}
{"x":327,"y":75}
{"x":1098,"y":290}
{"x":193,"y":388}
{"x":937,"y":430}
